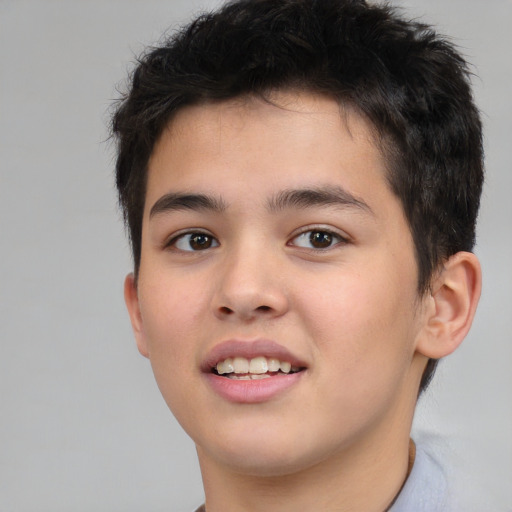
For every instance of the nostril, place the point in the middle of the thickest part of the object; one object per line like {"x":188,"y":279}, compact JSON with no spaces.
{"x":224,"y":310}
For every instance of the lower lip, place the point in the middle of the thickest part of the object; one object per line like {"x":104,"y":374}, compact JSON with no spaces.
{"x":252,"y":391}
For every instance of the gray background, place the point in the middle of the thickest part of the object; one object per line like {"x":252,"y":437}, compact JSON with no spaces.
{"x":82,"y":425}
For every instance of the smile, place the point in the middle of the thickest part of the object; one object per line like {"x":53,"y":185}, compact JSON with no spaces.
{"x":260,"y":367}
{"x":252,"y":371}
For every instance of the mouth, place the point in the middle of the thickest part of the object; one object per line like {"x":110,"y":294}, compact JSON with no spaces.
{"x":255,"y":368}
{"x":252,"y":371}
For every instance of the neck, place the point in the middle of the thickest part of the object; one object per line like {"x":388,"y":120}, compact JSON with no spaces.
{"x":355,"y":480}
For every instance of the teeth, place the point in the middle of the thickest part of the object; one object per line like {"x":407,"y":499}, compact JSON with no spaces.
{"x":273,"y":365}
{"x":225,"y":366}
{"x":234,"y":376}
{"x":240,"y":365}
{"x":285,"y":367}
{"x":244,"y":369}
{"x":258,"y":365}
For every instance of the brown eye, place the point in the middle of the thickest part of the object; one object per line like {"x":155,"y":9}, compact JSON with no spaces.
{"x":317,"y":239}
{"x":200,"y":241}
{"x":195,"y":242}
{"x":320,"y":239}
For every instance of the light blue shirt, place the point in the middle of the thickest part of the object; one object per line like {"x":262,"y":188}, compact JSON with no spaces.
{"x":426,"y":489}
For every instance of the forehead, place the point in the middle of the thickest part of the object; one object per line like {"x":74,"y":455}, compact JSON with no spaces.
{"x":289,"y":134}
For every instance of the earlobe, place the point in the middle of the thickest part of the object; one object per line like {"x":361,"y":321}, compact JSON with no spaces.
{"x":131,"y":299}
{"x":452,"y":305}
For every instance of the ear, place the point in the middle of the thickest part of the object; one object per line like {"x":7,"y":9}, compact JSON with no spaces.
{"x":451,"y":306}
{"x":131,"y":299}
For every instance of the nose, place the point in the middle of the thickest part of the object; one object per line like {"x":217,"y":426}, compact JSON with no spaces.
{"x":250,"y":287}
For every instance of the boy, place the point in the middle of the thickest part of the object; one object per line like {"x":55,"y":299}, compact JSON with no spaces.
{"x":301,"y":181}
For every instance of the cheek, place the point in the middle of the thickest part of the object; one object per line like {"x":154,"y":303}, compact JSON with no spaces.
{"x":363,"y":321}
{"x":170,"y":323}
{"x":171,"y":311}
{"x":362,"y":335}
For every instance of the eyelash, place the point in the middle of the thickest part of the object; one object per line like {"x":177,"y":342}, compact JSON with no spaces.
{"x":329,"y":237}
{"x":173,"y":242}
{"x":333,"y":238}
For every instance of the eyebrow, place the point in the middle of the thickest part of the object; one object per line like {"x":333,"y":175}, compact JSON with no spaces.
{"x":286,"y":199}
{"x":196,"y":202}
{"x":322,"y":196}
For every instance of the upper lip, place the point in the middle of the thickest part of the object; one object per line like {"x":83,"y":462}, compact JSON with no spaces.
{"x":249,"y":350}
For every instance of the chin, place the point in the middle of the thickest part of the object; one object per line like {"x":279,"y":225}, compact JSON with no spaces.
{"x":266,"y":465}
{"x":263,"y":453}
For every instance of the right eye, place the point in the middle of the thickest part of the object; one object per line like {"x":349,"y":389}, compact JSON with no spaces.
{"x":194,"y":241}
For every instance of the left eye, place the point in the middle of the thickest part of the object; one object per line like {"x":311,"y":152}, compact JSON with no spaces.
{"x":194,"y":242}
{"x":317,"y":239}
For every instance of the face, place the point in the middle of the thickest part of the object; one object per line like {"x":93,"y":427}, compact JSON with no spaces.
{"x":276,"y":297}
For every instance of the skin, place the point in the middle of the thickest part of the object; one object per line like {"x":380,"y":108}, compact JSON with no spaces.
{"x":338,"y":438}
